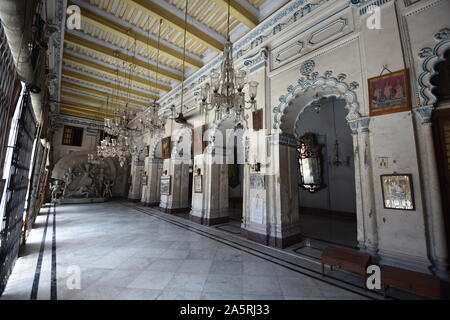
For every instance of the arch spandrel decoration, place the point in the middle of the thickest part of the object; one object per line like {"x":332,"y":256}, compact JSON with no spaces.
{"x":311,"y":80}
{"x":156,"y":141}
{"x":216,"y":126}
{"x":431,"y":58}
{"x":182,"y":137}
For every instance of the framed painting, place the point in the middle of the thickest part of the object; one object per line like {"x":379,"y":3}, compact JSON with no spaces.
{"x":165,"y":144}
{"x":199,"y":145}
{"x":389,"y":93}
{"x":198,"y":184}
{"x":257,"y":119}
{"x":165,"y":185}
{"x":397,"y":191}
{"x":2,"y":187}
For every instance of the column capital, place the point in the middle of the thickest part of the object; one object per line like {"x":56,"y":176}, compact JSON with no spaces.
{"x":425,"y":113}
{"x":364,"y":124}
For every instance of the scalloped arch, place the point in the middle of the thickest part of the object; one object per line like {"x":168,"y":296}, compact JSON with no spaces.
{"x":431,"y":58}
{"x":338,"y":87}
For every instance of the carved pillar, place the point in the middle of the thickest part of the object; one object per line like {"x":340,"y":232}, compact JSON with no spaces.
{"x":150,"y":191}
{"x":367,"y":188}
{"x":435,"y":218}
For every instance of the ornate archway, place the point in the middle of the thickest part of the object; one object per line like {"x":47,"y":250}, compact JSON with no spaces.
{"x":311,"y":80}
{"x":431,"y":58}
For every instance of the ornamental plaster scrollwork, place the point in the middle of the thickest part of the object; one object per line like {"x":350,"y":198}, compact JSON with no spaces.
{"x":154,"y":145}
{"x":310,"y":80}
{"x":181,"y":143}
{"x":431,"y":58}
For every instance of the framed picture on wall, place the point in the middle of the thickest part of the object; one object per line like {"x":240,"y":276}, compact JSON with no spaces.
{"x":257,"y":120}
{"x":165,"y":185}
{"x":389,"y":93}
{"x":198,"y":184}
{"x":397,"y":191}
{"x":2,"y":187}
{"x":199,"y":145}
{"x":165,"y":144}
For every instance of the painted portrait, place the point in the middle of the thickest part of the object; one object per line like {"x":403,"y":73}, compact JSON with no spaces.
{"x":165,"y":143}
{"x":199,"y":145}
{"x":389,"y":93}
{"x":257,"y":119}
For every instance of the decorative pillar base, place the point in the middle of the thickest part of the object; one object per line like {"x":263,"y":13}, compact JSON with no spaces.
{"x":208,"y":221}
{"x":275,"y":242}
{"x":174,"y":210}
{"x":151,"y":204}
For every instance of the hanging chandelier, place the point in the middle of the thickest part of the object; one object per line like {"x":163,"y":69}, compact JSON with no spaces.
{"x":122,"y":145}
{"x":225,"y":92}
{"x":149,"y":120}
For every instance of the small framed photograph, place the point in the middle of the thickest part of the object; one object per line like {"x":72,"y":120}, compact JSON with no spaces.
{"x":398,"y":191}
{"x":165,"y":185}
{"x":257,"y":120}
{"x":389,"y":93}
{"x":198,"y":184}
{"x":165,"y":143}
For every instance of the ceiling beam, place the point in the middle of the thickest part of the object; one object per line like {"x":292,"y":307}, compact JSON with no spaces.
{"x":106,"y":84}
{"x":69,"y":105}
{"x":100,"y":94}
{"x":116,"y":54}
{"x":240,"y":12}
{"x":161,"y":11}
{"x":80,"y":114}
{"x":101,"y":103}
{"x":114,"y":72}
{"x":88,"y":15}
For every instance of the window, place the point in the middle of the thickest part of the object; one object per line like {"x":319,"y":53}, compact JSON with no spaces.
{"x":72,"y":136}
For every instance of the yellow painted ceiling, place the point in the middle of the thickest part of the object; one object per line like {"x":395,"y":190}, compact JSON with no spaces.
{"x":111,"y":62}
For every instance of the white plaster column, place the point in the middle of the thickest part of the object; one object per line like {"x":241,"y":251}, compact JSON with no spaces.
{"x":280,"y":227}
{"x":150,"y":191}
{"x":211,"y":206}
{"x":358,"y":187}
{"x":178,"y":200}
{"x":435,"y":218}
{"x":367,"y":189}
{"x":137,"y":167}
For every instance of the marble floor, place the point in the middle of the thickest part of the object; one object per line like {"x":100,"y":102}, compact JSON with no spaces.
{"x":114,"y":251}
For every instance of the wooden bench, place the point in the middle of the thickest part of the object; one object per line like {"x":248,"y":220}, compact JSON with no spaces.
{"x":345,"y":259}
{"x":421,"y":283}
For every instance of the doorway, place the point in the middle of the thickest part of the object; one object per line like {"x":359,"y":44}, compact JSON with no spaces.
{"x":441,"y":126}
{"x":328,"y":214}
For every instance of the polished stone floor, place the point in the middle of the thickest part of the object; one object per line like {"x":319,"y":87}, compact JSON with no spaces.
{"x":113,"y":251}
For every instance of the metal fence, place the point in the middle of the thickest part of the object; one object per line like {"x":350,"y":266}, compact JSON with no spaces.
{"x":16,"y":190}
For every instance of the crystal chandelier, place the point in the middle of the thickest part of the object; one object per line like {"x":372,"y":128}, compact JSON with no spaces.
{"x":225,"y":92}
{"x":123,"y":145}
{"x":149,"y":120}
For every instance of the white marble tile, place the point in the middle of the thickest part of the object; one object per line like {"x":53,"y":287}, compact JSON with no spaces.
{"x":187,"y":282}
{"x":152,"y":280}
{"x":196,"y":266}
